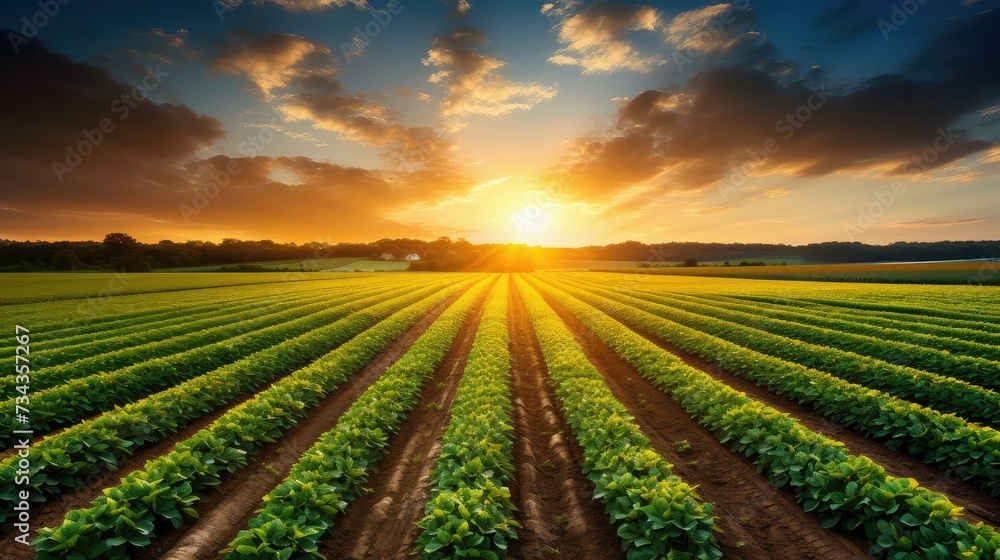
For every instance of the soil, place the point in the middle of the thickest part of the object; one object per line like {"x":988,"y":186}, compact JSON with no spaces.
{"x":757,"y":519}
{"x":553,"y":497}
{"x":978,"y":504}
{"x":52,"y":513}
{"x":226,"y":511}
{"x":381,"y":524}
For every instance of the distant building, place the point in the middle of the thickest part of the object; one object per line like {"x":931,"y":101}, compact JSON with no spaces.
{"x":388,"y":257}
{"x":412,"y":257}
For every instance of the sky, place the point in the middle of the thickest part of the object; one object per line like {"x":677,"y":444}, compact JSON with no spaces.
{"x":560,"y":123}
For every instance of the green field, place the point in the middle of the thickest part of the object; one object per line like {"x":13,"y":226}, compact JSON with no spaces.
{"x":294,"y":264}
{"x":973,"y":272}
{"x":268,"y":415}
{"x":370,"y":266}
{"x":606,"y":265}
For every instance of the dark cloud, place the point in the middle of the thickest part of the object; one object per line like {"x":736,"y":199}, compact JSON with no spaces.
{"x":56,"y":100}
{"x":902,"y":123}
{"x":140,"y":175}
{"x":274,"y":60}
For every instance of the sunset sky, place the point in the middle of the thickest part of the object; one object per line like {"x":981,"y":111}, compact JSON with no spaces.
{"x":567,"y":123}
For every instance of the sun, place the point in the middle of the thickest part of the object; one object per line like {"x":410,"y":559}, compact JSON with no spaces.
{"x":533,"y":225}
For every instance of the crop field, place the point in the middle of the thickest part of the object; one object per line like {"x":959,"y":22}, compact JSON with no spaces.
{"x":462,"y":415}
{"x":978,"y":273}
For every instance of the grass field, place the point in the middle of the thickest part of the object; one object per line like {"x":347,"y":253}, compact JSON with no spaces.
{"x":370,"y":266}
{"x":41,"y":286}
{"x":597,"y":414}
{"x":294,"y":264}
{"x":978,"y":273}
{"x":602,"y":265}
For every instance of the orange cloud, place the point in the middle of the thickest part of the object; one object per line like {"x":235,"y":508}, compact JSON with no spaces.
{"x":273,"y":60}
{"x":470,"y":78}
{"x":597,"y":37}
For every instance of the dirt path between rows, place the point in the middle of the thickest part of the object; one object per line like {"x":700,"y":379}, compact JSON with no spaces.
{"x":52,"y":513}
{"x":978,"y":504}
{"x":757,"y":519}
{"x":380,"y":524}
{"x":226,"y":511}
{"x":553,"y":497}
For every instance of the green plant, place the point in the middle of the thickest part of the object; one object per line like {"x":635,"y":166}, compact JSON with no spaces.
{"x":655,"y":513}
{"x":333,"y":471}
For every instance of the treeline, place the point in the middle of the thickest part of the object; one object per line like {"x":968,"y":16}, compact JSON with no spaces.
{"x":122,"y":252}
{"x":119,"y":251}
{"x":833,"y":252}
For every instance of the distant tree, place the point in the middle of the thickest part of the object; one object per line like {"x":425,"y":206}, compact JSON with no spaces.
{"x":119,"y":239}
{"x":119,"y":243}
{"x":66,"y":260}
{"x":691,"y":262}
{"x":133,"y":262}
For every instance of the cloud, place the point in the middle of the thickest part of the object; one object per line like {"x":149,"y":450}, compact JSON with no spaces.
{"x":359,"y":118}
{"x":597,"y":38}
{"x":176,"y":40}
{"x":712,"y":29}
{"x":299,"y":76}
{"x":354,"y":117}
{"x":138,"y":175}
{"x":936,"y":223}
{"x":57,"y":109}
{"x":459,"y":8}
{"x":56,"y":99}
{"x":274,"y":60}
{"x":470,"y":79}
{"x":302,"y":5}
{"x":690,"y":138}
{"x":712,"y":210}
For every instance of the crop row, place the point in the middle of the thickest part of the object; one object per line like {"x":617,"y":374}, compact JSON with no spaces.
{"x":843,"y":354}
{"x":967,"y":450}
{"x":61,"y":462}
{"x":138,"y":337}
{"x":224,"y":327}
{"x":912,"y":324}
{"x":902,"y":519}
{"x":168,"y":487}
{"x":973,"y":369}
{"x":854,"y":325}
{"x":931,"y":315}
{"x":656,"y":514}
{"x":78,"y":398}
{"x":470,"y":513}
{"x":92,"y":329}
{"x":943,"y":393}
{"x":300,"y":510}
{"x":125,"y":313}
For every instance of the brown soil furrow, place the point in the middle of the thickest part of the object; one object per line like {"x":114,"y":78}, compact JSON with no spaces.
{"x":757,"y":519}
{"x":381,"y":524}
{"x":978,"y":504}
{"x":52,"y":513}
{"x":223,"y":513}
{"x":554,"y":498}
